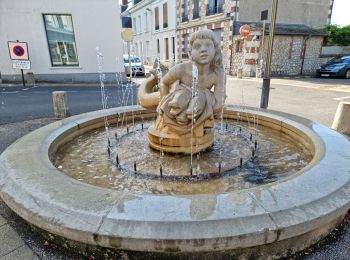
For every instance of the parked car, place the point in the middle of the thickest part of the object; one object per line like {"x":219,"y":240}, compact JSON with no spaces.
{"x":337,"y":67}
{"x":136,"y":65}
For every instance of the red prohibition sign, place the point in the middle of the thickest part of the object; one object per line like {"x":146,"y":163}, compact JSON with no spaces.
{"x":18,"y":50}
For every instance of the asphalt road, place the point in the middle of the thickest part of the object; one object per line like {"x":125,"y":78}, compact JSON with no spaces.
{"x":20,"y":104}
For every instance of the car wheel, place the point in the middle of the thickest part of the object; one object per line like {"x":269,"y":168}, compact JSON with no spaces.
{"x":347,"y":74}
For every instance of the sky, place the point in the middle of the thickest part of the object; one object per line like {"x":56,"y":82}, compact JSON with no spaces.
{"x":341,"y":12}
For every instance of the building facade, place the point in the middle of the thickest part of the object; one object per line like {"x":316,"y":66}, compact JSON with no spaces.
{"x":62,"y":37}
{"x":154,"y":27}
{"x":296,"y":19}
{"x":297,"y":50}
{"x":217,"y":15}
{"x":312,"y":13}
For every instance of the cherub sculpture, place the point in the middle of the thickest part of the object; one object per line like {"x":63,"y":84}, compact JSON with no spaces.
{"x":186,"y":104}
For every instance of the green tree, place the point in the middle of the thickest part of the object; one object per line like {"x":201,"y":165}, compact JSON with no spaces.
{"x":337,"y":35}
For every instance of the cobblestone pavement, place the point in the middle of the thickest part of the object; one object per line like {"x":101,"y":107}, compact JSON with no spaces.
{"x":17,"y":241}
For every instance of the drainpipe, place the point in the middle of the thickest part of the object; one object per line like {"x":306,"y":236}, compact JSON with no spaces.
{"x":303,"y":54}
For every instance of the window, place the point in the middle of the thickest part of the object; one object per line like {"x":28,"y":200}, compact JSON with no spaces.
{"x":214,"y":7}
{"x":165,"y":15}
{"x":146,"y":22}
{"x":156,"y":17}
{"x":139,"y":24}
{"x":217,"y":33}
{"x":61,"y":40}
{"x":166,"y":48}
{"x":133,"y":59}
{"x":134,"y":25}
{"x":158,"y":46}
{"x":196,"y":9}
{"x":185,"y":49}
{"x":173,"y":40}
{"x":239,"y":45}
{"x":185,"y":16}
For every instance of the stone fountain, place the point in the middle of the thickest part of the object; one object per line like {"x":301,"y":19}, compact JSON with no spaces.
{"x":185,"y":104}
{"x":137,"y":195}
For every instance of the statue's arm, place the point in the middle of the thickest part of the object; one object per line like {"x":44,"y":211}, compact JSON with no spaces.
{"x":219,"y":90}
{"x":167,"y":80}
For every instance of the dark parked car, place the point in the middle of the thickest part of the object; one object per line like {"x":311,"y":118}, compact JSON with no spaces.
{"x":337,"y":67}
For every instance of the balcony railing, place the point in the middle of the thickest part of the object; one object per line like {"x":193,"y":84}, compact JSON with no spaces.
{"x":184,"y":18}
{"x":195,"y":14}
{"x":211,"y":10}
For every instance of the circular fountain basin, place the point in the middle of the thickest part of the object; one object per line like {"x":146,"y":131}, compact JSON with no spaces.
{"x":270,"y":220}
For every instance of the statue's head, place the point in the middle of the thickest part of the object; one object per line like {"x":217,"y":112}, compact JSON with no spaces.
{"x":206,"y":49}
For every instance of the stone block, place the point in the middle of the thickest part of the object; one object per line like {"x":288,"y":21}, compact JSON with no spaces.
{"x":341,"y":121}
{"x":60,"y":104}
{"x":30,"y":80}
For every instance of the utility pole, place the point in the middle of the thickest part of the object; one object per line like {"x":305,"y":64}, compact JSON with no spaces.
{"x":266,"y":81}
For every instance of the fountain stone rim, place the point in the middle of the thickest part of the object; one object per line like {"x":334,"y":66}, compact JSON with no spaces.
{"x":308,"y":203}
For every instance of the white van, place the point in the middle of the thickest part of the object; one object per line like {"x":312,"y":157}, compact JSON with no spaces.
{"x":136,"y":65}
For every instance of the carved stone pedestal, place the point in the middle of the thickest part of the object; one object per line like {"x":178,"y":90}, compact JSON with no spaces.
{"x":174,"y":143}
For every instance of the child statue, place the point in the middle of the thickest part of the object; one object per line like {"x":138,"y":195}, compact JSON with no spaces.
{"x":181,"y":117}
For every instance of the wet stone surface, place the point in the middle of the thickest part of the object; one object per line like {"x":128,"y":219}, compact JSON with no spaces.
{"x":219,"y":169}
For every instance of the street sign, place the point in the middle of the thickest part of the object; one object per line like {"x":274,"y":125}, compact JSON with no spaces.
{"x":18,"y":50}
{"x":21,"y":64}
{"x":127,"y":35}
{"x":264,"y":15}
{"x":244,"y":30}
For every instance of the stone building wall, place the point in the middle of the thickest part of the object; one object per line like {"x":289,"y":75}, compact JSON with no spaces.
{"x":313,"y":13}
{"x":287,"y":54}
{"x":313,"y":53}
{"x":287,"y":58}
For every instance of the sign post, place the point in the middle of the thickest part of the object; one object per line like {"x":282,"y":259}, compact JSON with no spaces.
{"x":266,"y":81}
{"x":244,"y":31}
{"x":19,"y":56}
{"x":127,"y":36}
{"x":264,"y":15}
